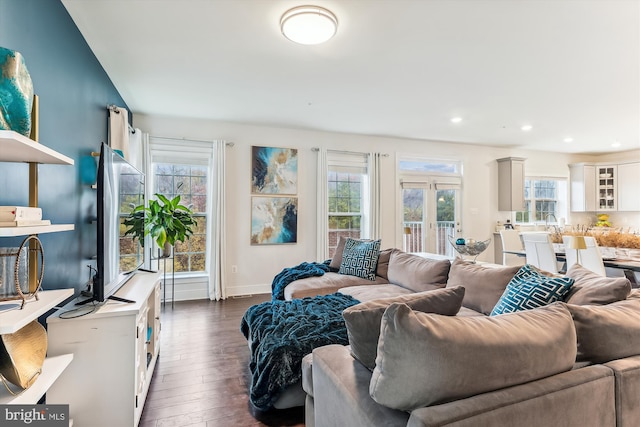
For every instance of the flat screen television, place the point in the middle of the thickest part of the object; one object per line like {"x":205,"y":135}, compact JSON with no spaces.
{"x":120,"y":188}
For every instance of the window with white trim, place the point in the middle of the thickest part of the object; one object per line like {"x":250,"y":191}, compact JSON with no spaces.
{"x":431,"y":194}
{"x":184,"y":169}
{"x":545,"y":200}
{"x":348,"y":196}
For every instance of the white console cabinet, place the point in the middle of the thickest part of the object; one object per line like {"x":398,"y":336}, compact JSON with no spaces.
{"x":115,"y":350}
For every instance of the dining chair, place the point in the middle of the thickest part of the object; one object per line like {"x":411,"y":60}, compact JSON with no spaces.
{"x":511,"y":242}
{"x":539,"y":251}
{"x":590,"y":258}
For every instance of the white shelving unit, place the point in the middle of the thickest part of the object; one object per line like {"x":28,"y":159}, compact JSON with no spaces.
{"x":115,"y":351}
{"x":12,"y":320}
{"x":20,"y":149}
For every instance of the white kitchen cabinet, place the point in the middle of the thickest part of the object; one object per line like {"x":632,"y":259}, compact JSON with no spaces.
{"x":115,"y":351}
{"x":511,"y":184}
{"x":629,"y":187}
{"x":606,"y":187}
{"x":582,"y":178}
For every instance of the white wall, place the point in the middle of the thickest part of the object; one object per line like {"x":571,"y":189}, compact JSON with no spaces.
{"x":257,"y":265}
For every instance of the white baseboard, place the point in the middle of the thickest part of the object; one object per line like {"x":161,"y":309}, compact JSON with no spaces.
{"x":249,"y":290}
{"x":196,"y":288}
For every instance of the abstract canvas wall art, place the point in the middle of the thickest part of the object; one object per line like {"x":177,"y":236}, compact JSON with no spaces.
{"x":274,"y":170}
{"x":274,"y":220}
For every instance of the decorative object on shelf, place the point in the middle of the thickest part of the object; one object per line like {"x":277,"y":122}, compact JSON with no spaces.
{"x":14,"y":270}
{"x":167,"y":221}
{"x":603,"y":221}
{"x":274,"y":220}
{"x":9,"y":270}
{"x":22,"y":354}
{"x":274,"y":170}
{"x":16,"y":93}
{"x":470,"y":248}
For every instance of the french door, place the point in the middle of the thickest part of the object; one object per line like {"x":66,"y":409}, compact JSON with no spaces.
{"x":430,"y":216}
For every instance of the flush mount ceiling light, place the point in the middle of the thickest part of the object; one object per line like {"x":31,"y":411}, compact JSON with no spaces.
{"x":456,"y":119}
{"x":308,"y":24}
{"x":526,"y":128}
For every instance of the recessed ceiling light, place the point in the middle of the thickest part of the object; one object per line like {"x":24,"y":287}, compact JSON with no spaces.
{"x":526,"y":128}
{"x":616,"y":144}
{"x":456,"y":119}
{"x":568,"y":140}
{"x":308,"y":24}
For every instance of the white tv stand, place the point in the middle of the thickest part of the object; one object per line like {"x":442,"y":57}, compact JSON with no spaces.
{"x":115,"y":351}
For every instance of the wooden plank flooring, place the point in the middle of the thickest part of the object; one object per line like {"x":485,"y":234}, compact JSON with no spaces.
{"x":202,"y":375}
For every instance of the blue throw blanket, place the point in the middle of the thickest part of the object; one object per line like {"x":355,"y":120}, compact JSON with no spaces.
{"x":300,"y":271}
{"x":281,"y":333}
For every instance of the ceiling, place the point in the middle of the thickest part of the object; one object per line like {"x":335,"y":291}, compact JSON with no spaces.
{"x":400,"y":68}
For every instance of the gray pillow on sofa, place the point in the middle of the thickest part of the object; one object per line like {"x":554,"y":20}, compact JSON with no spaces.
{"x":337,"y":256}
{"x":484,"y":285}
{"x":590,"y":288}
{"x":607,"y":332}
{"x":363,"y":320}
{"x":417,"y":273}
{"x":424,"y":359}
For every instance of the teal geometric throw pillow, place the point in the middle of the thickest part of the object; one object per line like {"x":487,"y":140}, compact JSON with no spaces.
{"x":360,"y":258}
{"x":529,"y":289}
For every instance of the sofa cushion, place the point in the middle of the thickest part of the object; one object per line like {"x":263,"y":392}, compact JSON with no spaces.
{"x":607,"y":332}
{"x":484,"y":286}
{"x":371,"y":292}
{"x":337,"y":255}
{"x":424,"y":359}
{"x":325,"y":285}
{"x":530,"y":289}
{"x":363,"y":320}
{"x":360,"y":258}
{"x":417,"y":273}
{"x":592,"y":289}
{"x":383,"y":262}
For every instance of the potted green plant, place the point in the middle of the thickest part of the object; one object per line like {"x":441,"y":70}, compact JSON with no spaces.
{"x":167,"y":221}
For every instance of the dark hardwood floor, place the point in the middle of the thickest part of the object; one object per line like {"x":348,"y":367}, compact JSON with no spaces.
{"x":202,"y":375}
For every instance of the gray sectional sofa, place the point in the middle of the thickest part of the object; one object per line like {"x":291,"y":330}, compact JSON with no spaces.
{"x":411,"y":362}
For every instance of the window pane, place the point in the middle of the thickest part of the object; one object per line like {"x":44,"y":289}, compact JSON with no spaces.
{"x":429,"y":166}
{"x":413,"y":202}
{"x":190,"y":183}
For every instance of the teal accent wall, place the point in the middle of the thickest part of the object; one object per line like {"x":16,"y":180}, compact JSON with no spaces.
{"x":74,"y":91}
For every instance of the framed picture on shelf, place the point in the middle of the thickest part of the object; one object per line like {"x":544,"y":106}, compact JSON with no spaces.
{"x":274,"y":170}
{"x":274,"y":220}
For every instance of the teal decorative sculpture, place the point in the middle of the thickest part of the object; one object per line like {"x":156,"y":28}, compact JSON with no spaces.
{"x":16,"y":93}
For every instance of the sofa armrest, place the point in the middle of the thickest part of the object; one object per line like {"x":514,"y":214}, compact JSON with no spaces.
{"x":341,"y":392}
{"x":627,"y":389}
{"x":568,"y":398}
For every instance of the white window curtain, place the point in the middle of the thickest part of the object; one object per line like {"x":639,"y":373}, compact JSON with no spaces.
{"x":375,"y":227}
{"x":217,"y":277}
{"x":322,"y":209}
{"x":119,"y":130}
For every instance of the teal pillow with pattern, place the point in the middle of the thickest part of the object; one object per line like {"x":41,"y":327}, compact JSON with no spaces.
{"x":530,"y":289}
{"x":360,"y":258}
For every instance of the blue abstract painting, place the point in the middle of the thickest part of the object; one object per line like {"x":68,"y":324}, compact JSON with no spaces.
{"x":274,"y":170}
{"x":274,"y":220}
